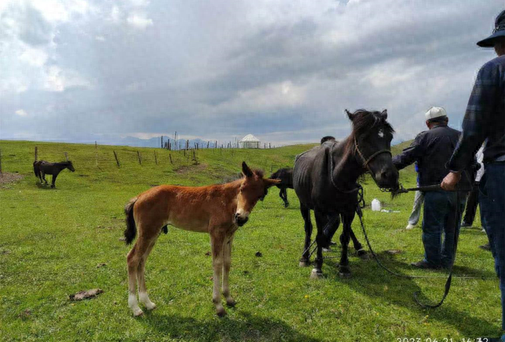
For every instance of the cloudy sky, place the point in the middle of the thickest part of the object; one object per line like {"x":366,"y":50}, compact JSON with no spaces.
{"x":83,"y":70}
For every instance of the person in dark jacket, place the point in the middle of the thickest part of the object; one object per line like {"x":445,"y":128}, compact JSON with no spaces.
{"x":431,"y":149}
{"x":485,"y":122}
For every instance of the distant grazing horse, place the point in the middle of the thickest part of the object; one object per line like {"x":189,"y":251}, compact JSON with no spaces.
{"x":216,"y":209}
{"x":42,"y":168}
{"x":286,"y":177}
{"x":325,"y":179}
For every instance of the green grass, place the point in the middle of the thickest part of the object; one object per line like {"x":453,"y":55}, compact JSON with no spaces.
{"x":51,"y":241}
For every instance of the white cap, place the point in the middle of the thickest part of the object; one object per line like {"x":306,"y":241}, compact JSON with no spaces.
{"x":435,"y":112}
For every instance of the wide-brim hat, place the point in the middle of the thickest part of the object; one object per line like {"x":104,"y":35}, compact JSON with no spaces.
{"x":499,"y":31}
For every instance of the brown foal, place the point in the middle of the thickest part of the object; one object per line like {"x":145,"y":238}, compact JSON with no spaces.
{"x":216,"y":209}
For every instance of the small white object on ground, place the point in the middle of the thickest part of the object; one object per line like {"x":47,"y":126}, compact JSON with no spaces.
{"x":376,"y":205}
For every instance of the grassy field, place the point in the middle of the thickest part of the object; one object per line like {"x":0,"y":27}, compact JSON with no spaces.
{"x":55,"y":242}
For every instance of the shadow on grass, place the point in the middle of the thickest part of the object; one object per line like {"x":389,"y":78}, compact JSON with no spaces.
{"x":372,"y":282}
{"x":246,"y":327}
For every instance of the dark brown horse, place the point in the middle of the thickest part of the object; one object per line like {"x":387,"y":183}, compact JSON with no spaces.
{"x":285,"y":175}
{"x":325,"y":179}
{"x":218,"y":210}
{"x":42,"y":168}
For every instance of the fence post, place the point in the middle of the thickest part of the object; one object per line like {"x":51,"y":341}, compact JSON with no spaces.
{"x":170,"y":156}
{"x":0,"y":162}
{"x":66,"y":156}
{"x":155,"y":158}
{"x":117,"y":160}
{"x":96,"y":154}
{"x":138,"y":155}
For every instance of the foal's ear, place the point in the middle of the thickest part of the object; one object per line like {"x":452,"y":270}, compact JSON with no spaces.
{"x":384,"y":114}
{"x":246,"y":170}
{"x":350,"y":115}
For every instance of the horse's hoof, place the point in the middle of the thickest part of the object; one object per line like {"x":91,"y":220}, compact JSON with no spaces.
{"x":316,"y":274}
{"x":231,"y":303}
{"x":138,"y":313}
{"x":344,"y":272}
{"x":286,"y":205}
{"x":221,"y":312}
{"x":363,"y":254}
{"x":304,"y":263}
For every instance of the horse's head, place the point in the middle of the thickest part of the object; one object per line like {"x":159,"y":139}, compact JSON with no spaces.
{"x":371,"y":138}
{"x":253,"y":188}
{"x":70,"y":166}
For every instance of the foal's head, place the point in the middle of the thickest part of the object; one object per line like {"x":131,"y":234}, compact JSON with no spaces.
{"x":371,"y":141}
{"x":253,"y":188}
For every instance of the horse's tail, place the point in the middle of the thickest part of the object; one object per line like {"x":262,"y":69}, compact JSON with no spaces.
{"x":131,"y":228}
{"x":36,"y":169}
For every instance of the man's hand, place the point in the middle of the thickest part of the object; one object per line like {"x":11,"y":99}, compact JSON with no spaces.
{"x":451,"y":180}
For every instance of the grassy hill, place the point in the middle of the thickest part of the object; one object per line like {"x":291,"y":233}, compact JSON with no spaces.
{"x":55,"y":242}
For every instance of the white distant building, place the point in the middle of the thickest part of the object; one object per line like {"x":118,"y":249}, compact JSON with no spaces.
{"x":249,"y":141}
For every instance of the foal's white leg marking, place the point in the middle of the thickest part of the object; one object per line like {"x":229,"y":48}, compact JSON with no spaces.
{"x":144,"y":299}
{"x":134,"y":305}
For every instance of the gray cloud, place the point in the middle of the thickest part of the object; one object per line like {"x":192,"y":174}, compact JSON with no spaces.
{"x":222,"y":69}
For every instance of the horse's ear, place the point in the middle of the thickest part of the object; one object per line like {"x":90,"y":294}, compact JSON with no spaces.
{"x":384,"y":114}
{"x":350,"y":115}
{"x":246,"y":170}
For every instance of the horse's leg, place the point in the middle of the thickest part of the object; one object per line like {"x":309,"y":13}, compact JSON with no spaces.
{"x":344,"y":240}
{"x":226,"y":270}
{"x":54,"y":180}
{"x":305,"y":260}
{"x":217,"y":241}
{"x":321,"y":220}
{"x":285,"y":197}
{"x":44,"y":176}
{"x":143,"y":297}
{"x":357,"y":245}
{"x":133,"y":260}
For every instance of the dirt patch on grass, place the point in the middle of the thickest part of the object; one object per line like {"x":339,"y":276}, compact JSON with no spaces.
{"x":7,"y":178}
{"x":190,"y":168}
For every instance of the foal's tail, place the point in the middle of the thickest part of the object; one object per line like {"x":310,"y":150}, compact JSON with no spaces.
{"x":131,"y":229}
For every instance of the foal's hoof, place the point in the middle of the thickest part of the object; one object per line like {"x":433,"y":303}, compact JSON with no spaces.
{"x":344,"y":272}
{"x":304,"y":262}
{"x":138,"y":313}
{"x":316,"y":274}
{"x":221,"y":312}
{"x":231,"y":303}
{"x":286,"y":204}
{"x":151,"y":306}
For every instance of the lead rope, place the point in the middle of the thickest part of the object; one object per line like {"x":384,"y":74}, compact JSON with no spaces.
{"x":449,"y":278}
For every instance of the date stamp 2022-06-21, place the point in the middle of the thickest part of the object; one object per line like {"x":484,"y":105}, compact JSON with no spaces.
{"x":444,"y":339}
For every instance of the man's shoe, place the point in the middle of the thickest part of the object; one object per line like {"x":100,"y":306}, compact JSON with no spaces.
{"x":486,"y":247}
{"x":466,"y":225}
{"x":410,"y":226}
{"x":423,"y":265}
